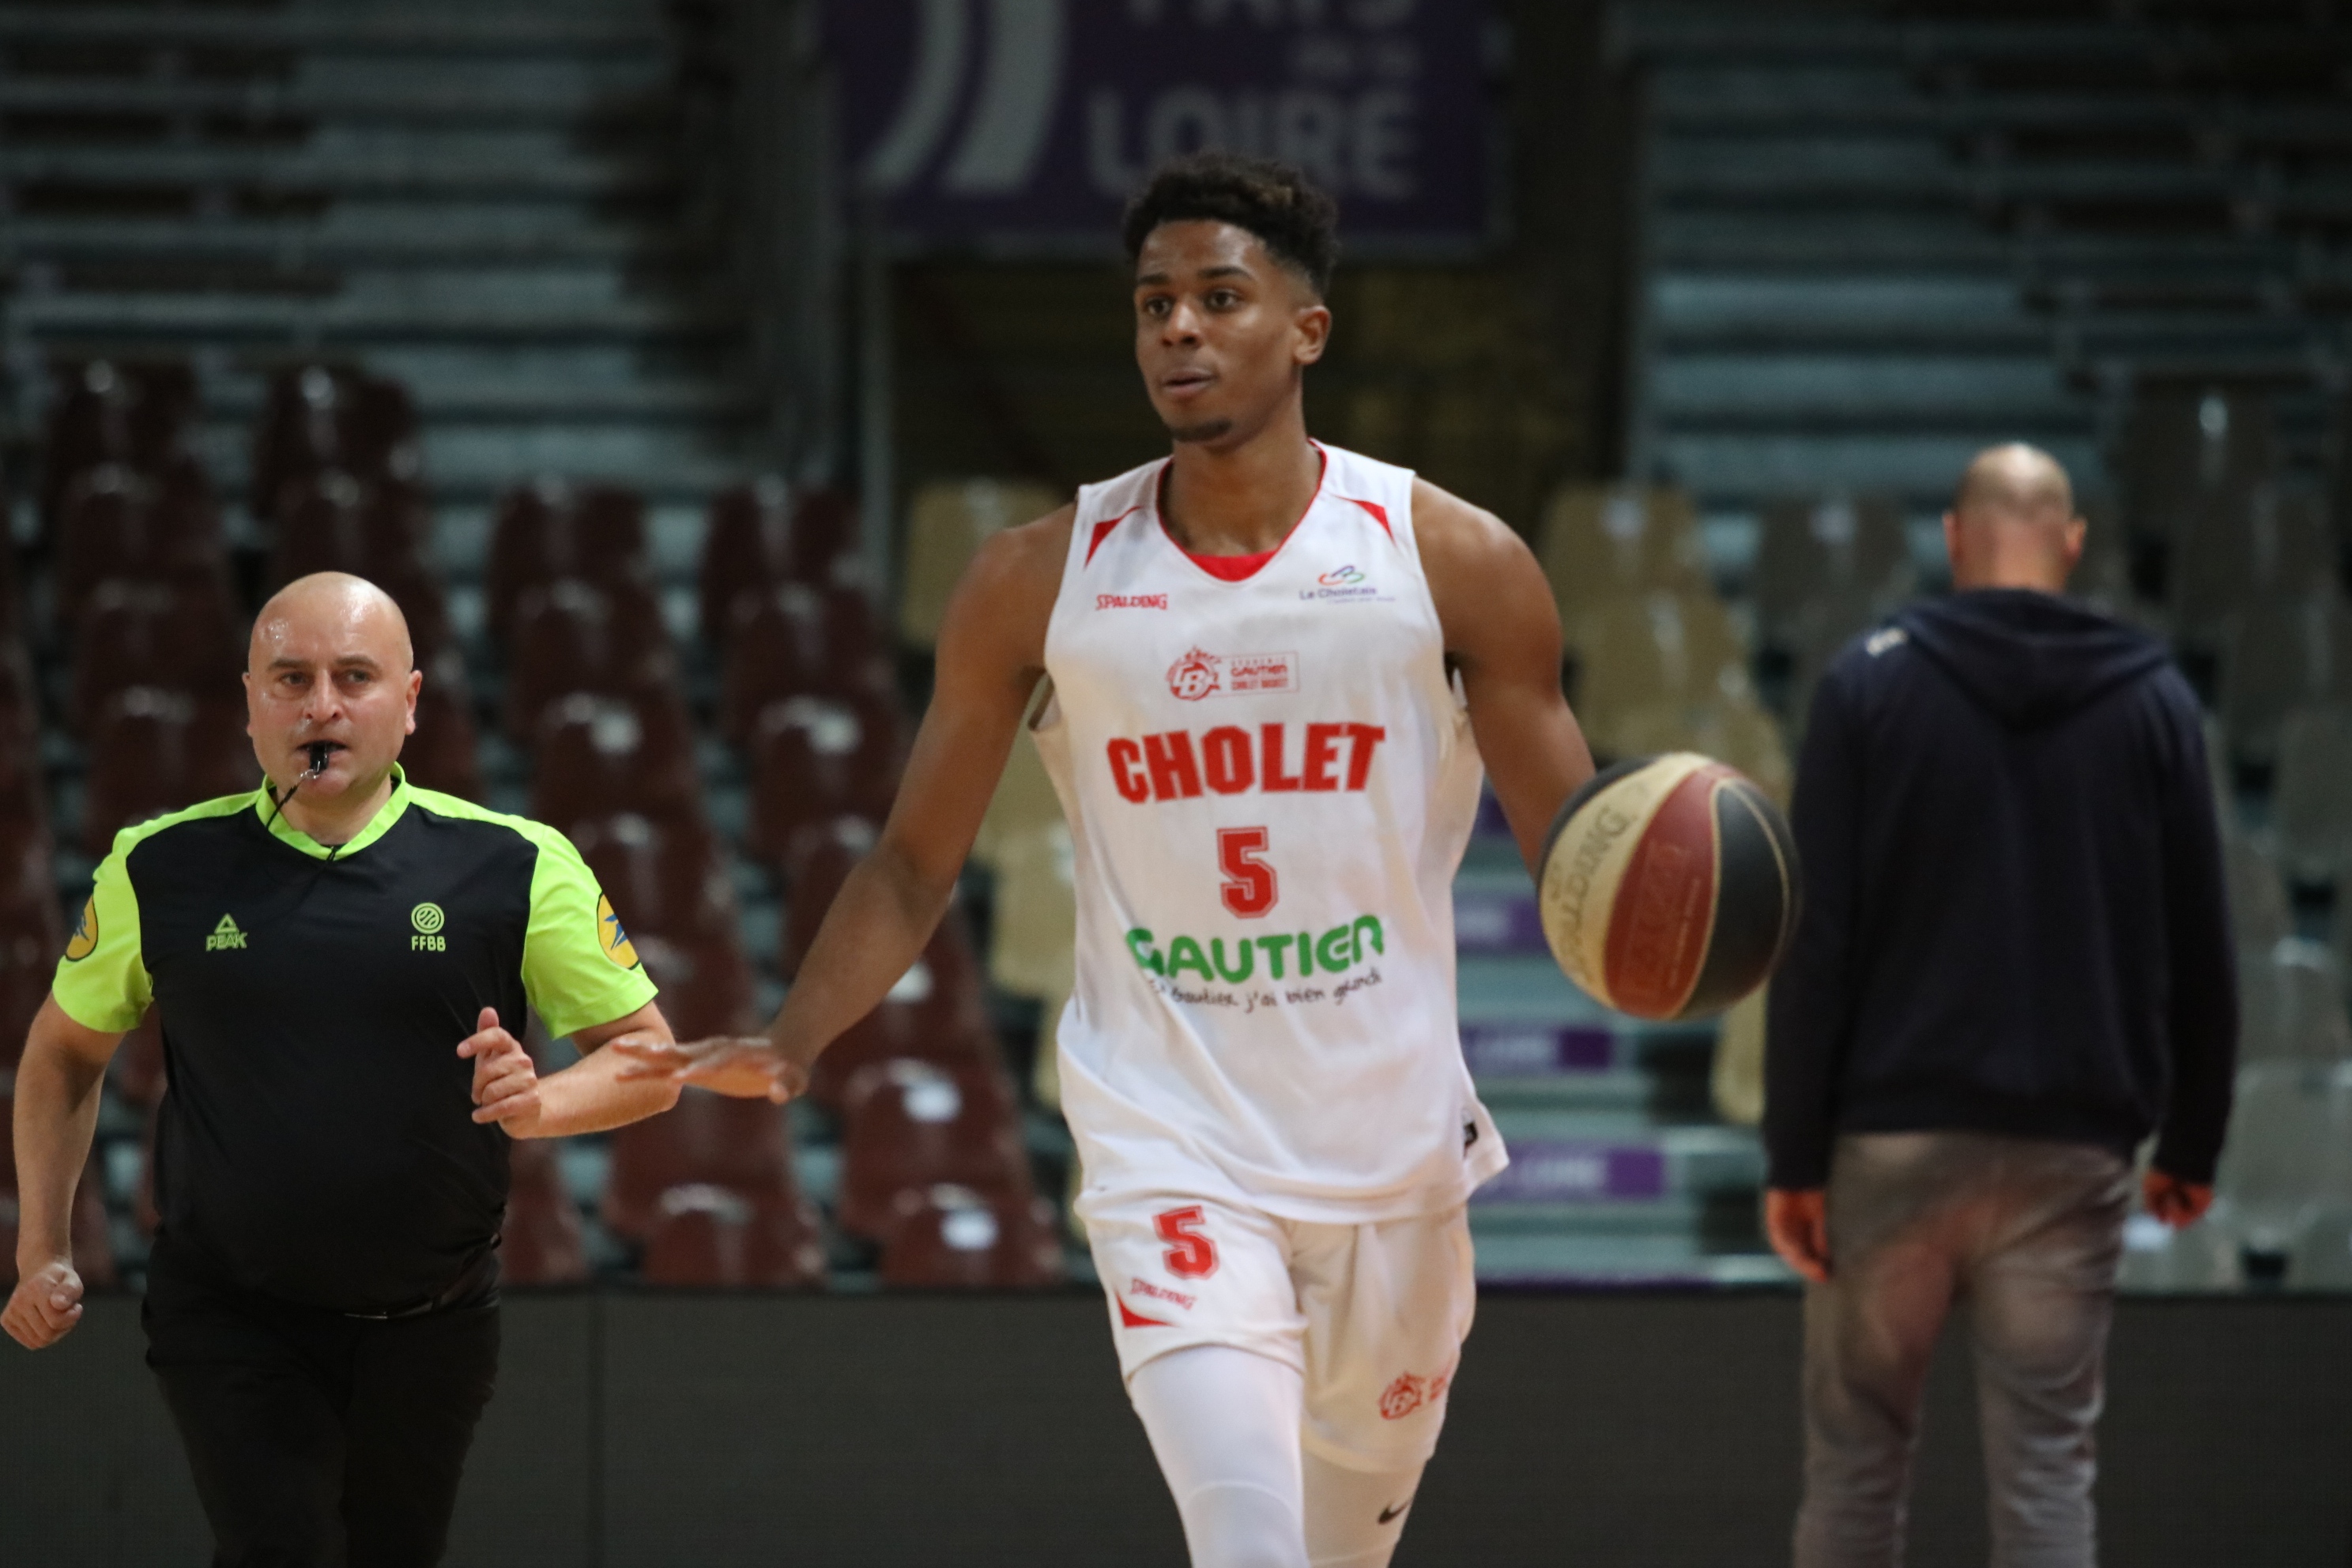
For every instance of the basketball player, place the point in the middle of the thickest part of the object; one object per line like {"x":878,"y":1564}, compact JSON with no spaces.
{"x":1273,"y":671}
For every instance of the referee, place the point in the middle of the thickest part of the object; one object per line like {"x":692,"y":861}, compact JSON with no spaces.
{"x":333,"y":955}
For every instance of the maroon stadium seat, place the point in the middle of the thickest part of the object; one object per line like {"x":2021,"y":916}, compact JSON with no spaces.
{"x":740,"y":1144}
{"x":320,"y":417}
{"x":182,"y":638}
{"x":28,"y":960}
{"x":817,"y":758}
{"x":666,"y":876}
{"x":707,"y":985}
{"x":936,"y":1028}
{"x":572,"y":635}
{"x":951,"y":1238}
{"x":911,"y":1125}
{"x":115,"y":522}
{"x":330,"y":521}
{"x":797,"y":641}
{"x":93,"y":1250}
{"x":594,"y":755}
{"x":550,"y":530}
{"x":542,"y":1242}
{"x":28,"y":887}
{"x":708,"y":1236}
{"x":443,"y":754}
{"x":153,"y":751}
{"x":764,"y":535}
{"x":107,"y":412}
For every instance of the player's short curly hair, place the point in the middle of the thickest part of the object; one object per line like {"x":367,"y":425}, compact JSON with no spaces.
{"x":1298,"y":224}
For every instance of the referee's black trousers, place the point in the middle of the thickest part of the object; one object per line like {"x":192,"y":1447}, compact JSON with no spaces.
{"x":319,"y":1440}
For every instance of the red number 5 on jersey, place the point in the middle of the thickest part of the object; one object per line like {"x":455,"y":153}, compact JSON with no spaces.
{"x":1250,"y":888}
{"x":1190,"y":1254}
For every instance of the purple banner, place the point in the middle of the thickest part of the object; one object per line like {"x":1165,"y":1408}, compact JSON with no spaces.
{"x":1497,"y":922}
{"x":1535,"y":1051}
{"x":1545,"y":1171}
{"x":1027,"y":123}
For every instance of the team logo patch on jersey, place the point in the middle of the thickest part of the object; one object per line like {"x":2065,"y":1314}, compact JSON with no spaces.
{"x":617,"y":946}
{"x":1199,"y":675}
{"x":1346,"y":583}
{"x":84,"y":940}
{"x":1408,"y":1394}
{"x":428,"y":920}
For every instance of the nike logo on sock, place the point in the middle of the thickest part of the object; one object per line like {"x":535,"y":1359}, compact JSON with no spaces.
{"x":1390,"y":1513}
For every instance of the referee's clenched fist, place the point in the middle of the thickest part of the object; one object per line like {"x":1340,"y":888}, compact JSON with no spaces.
{"x":337,"y":956}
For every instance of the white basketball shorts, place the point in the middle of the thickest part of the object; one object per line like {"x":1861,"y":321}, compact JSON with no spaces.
{"x":1373,"y":1316}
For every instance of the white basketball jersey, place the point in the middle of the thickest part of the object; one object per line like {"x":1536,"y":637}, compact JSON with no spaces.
{"x":1269,"y":784}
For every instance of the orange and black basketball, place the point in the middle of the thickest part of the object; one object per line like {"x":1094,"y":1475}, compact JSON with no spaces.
{"x":1669,"y":886}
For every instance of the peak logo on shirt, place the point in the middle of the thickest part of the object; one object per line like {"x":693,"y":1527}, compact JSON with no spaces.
{"x":224,"y":936}
{"x":615,"y":941}
{"x":1202,"y":675}
{"x":84,"y":940}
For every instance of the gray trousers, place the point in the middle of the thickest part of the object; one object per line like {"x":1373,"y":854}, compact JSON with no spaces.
{"x":2028,"y":1234}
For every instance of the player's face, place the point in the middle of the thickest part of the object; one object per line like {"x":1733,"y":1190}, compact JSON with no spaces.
{"x":1222,"y":331}
{"x":335,"y":671}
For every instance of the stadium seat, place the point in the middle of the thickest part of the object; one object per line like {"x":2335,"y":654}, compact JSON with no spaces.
{"x":571,"y":635}
{"x":666,"y":876}
{"x":1837,"y":546}
{"x":1024,"y":803}
{"x":1033,"y":934}
{"x":550,"y":530}
{"x":764,"y":535}
{"x":93,"y":1248}
{"x":706,"y":982}
{"x":2292,"y":1005}
{"x":382,"y":531}
{"x":918,"y":1021}
{"x":951,"y":1237}
{"x":1600,"y":542}
{"x":2186,"y":443}
{"x":596,"y":755}
{"x":542,"y":1242}
{"x":2263,"y":546}
{"x":740,"y":1144}
{"x":817,"y":758}
{"x":444,"y":753}
{"x":2259,"y":915}
{"x":908,"y":1125}
{"x":947,"y":522}
{"x":797,"y":641}
{"x":1731,"y":727}
{"x":153,"y":750}
{"x":1657,"y":649}
{"x":321,"y":417}
{"x":2280,"y":652}
{"x":708,"y":1236}
{"x":2310,"y":803}
{"x":184,"y":638}
{"x":106,"y":412}
{"x":2289,"y":1150}
{"x":115,"y":522}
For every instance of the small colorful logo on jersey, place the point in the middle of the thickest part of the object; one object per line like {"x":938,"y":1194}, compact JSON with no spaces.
{"x":84,"y":940}
{"x":1408,"y":1394}
{"x":1130,"y":601}
{"x":617,"y":946}
{"x":1194,"y":677}
{"x":225,"y":936}
{"x":1342,"y":583}
{"x":428,"y":920}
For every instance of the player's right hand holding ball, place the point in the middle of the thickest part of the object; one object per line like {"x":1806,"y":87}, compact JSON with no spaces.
{"x":45,"y":1306}
{"x":748,"y":1066}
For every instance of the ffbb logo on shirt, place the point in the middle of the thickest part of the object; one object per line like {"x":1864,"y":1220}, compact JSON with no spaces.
{"x":428,"y":921}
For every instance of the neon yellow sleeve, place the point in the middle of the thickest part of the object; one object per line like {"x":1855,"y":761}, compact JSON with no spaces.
{"x":578,"y":966}
{"x":103,"y":981}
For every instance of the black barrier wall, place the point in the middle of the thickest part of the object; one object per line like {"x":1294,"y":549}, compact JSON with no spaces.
{"x":651,"y":1431}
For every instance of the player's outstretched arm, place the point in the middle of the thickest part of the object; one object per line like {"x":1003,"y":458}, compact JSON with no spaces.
{"x":992,"y":654}
{"x":58,"y":1088}
{"x":1502,"y":634}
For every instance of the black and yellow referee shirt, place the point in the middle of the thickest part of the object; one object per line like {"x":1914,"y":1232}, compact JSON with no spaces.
{"x":317,"y":1144}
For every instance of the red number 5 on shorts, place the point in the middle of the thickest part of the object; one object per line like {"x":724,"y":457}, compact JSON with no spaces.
{"x":1190,"y":1254}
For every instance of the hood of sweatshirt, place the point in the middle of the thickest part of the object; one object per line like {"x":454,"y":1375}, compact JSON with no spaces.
{"x":2028,"y":658}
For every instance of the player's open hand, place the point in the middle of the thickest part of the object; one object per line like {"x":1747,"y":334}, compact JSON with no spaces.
{"x":747,"y":1067}
{"x":506,"y":1080}
{"x":45,"y":1306}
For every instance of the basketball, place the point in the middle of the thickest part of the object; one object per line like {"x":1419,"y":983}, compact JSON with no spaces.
{"x":1669,"y":886}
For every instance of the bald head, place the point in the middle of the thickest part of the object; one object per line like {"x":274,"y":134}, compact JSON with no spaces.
{"x":351,"y":611}
{"x":2012,"y":522}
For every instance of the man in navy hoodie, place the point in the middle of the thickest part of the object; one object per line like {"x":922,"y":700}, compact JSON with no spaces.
{"x":2013,"y":966}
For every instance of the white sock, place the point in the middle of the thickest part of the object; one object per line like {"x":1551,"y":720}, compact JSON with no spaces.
{"x":1224,"y":1425}
{"x":1354,"y":1517}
